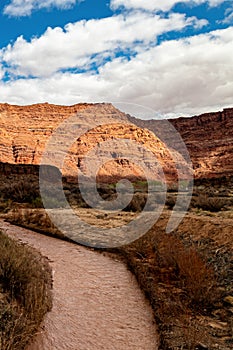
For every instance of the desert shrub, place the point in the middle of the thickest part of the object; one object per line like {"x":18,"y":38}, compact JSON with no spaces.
{"x":25,"y":281}
{"x":35,"y":219}
{"x":177,"y":281}
{"x":37,"y":202}
{"x":75,"y":199}
{"x":198,"y":279}
{"x":20,"y":191}
{"x":5,"y":205}
{"x":186,"y":266}
{"x":27,"y":191}
{"x":170,"y":201}
{"x":204,"y":202}
{"x":137,"y":203}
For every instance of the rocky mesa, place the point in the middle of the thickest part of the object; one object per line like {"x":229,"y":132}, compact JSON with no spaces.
{"x":124,"y":147}
{"x":25,"y":131}
{"x":208,"y":138}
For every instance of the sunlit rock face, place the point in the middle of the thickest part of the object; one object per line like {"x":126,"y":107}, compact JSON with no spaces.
{"x":25,"y":131}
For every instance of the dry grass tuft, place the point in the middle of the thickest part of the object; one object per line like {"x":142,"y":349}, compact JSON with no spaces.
{"x":25,"y":293}
{"x":34,"y":219}
{"x":185,"y":266}
{"x":178,"y":283}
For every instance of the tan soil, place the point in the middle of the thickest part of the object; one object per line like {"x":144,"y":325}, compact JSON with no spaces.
{"x":97,"y":302}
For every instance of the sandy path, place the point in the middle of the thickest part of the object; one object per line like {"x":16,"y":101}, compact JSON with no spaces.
{"x":97,"y":302}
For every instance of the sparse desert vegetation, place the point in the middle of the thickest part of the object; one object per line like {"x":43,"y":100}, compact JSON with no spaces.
{"x":212,"y":203}
{"x":186,"y":282}
{"x":25,"y":293}
{"x":186,"y":275}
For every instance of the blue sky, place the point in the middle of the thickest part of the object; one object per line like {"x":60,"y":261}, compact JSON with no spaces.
{"x":174,"y":57}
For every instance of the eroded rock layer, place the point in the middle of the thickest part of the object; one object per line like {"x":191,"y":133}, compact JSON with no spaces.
{"x":25,"y":130}
{"x":208,"y":138}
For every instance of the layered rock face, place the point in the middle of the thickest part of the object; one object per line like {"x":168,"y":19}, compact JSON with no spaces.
{"x":126,"y":151}
{"x":25,"y":130}
{"x":208,"y":138}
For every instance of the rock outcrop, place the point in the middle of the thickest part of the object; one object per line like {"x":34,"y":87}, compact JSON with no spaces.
{"x":208,"y":138}
{"x":130,"y":149}
{"x":25,"y":130}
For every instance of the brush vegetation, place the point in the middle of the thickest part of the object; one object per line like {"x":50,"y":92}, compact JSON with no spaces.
{"x":185,"y":275}
{"x":25,"y":293}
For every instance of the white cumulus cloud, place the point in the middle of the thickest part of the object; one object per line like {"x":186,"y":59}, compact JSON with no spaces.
{"x":120,"y":58}
{"x":85,"y":42}
{"x":186,"y":76}
{"x":25,"y":7}
{"x":163,"y":5}
{"x":228,"y":15}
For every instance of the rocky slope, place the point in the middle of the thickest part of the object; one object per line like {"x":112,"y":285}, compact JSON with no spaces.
{"x":25,"y":130}
{"x":142,"y":149}
{"x":23,"y":140}
{"x":208,"y":137}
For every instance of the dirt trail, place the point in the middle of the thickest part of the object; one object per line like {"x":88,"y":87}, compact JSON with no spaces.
{"x":97,"y":302}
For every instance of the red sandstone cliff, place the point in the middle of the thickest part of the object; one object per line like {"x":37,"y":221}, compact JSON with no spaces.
{"x":128,"y":159}
{"x":24,"y":131}
{"x":208,"y":138}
